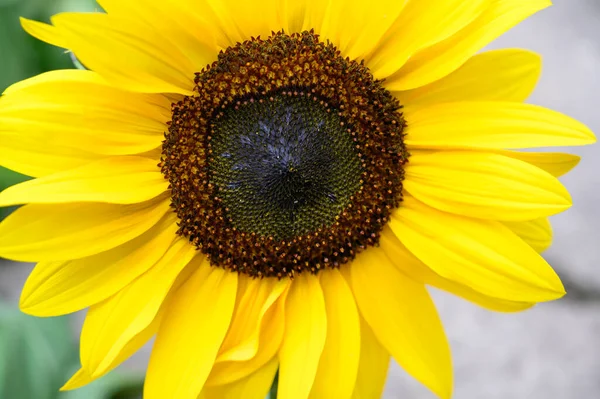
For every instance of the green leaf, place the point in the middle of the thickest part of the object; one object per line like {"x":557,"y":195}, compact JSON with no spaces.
{"x":273,"y":391}
{"x":33,"y":354}
{"x":38,"y":355}
{"x":9,"y":178}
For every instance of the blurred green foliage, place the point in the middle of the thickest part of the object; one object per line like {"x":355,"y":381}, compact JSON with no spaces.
{"x":37,"y":356}
{"x":22,"y":56}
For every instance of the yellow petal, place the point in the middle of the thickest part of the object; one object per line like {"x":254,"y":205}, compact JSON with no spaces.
{"x":28,"y":155}
{"x":338,"y":366}
{"x":404,"y":319}
{"x":373,"y":365}
{"x":410,"y":265}
{"x":421,"y":24}
{"x":271,"y":334}
{"x":87,"y":113}
{"x":443,"y":58}
{"x":243,"y":19}
{"x":255,"y":386}
{"x":356,"y":27}
{"x":305,"y":15}
{"x":493,"y":125}
{"x":74,"y":114}
{"x":117,"y":180}
{"x":242,"y":340}
{"x":92,"y":93}
{"x":57,"y":288}
{"x":127,"y":56}
{"x":484,"y":185}
{"x":190,"y":335}
{"x":111,"y":324}
{"x":537,"y":233}
{"x":179,"y":22}
{"x":77,"y":380}
{"x":304,"y":340}
{"x":44,"y":32}
{"x":39,"y":232}
{"x":497,"y":75}
{"x":555,"y":163}
{"x":481,"y":254}
{"x":83,"y":376}
{"x":294,"y":14}
{"x":81,"y":97}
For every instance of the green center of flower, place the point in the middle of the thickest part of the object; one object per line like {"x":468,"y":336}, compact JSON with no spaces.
{"x":288,"y":159}
{"x":284,"y":166}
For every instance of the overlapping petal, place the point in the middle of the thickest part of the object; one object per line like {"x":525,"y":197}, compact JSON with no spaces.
{"x":337,"y":370}
{"x":404,"y":319}
{"x":410,"y":265}
{"x":40,"y":232}
{"x":84,"y":376}
{"x":445,"y":57}
{"x":421,"y":24}
{"x":60,"y":120}
{"x":241,"y":20}
{"x":356,"y":27}
{"x":185,"y":24}
{"x":537,"y":232}
{"x":56,"y":288}
{"x":191,"y":333}
{"x":374,"y":361}
{"x":44,"y":32}
{"x":496,"y":75}
{"x":254,"y":386}
{"x":481,"y":254}
{"x":304,"y":340}
{"x":128,"y":55}
{"x":271,"y":334}
{"x":555,"y":163}
{"x":492,"y":125}
{"x":488,"y":186}
{"x":242,"y":340}
{"x":116,"y":180}
{"x":110,"y":325}
{"x":29,"y":156}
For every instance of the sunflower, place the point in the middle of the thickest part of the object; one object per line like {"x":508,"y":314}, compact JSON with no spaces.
{"x":268,"y":187}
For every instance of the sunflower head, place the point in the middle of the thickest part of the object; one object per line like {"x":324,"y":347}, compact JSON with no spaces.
{"x":287,"y":158}
{"x":272,"y":187}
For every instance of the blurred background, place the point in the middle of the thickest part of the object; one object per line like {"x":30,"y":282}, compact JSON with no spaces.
{"x":549,"y":352}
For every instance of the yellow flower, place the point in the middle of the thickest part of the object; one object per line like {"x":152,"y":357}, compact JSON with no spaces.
{"x":270,"y":185}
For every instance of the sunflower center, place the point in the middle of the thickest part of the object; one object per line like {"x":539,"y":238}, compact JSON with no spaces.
{"x":284,"y":165}
{"x":289,"y":158}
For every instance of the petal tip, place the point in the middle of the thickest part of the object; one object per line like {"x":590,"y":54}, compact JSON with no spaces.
{"x":592,"y":137}
{"x":34,"y":311}
{"x":25,"y":303}
{"x":556,"y":290}
{"x":42,"y":31}
{"x":78,"y":380}
{"x":445,"y":387}
{"x":32,"y":306}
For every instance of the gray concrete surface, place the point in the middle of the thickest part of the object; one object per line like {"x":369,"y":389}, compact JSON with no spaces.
{"x":552,"y":351}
